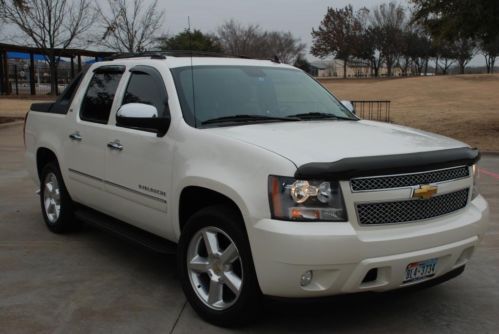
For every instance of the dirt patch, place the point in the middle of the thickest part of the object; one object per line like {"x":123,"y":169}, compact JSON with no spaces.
{"x":16,"y":107}
{"x":4,"y":120}
{"x":463,"y":107}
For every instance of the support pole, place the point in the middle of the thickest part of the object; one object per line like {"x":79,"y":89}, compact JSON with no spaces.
{"x":32,"y":73}
{"x":72,"y":67}
{"x":16,"y":79}
{"x":79,"y":63}
{"x":2,"y":78}
{"x":7,"y":89}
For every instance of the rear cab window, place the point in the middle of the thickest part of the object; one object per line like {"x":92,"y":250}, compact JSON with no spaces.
{"x":98,"y":100}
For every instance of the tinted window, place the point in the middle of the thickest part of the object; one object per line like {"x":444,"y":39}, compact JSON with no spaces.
{"x":143,"y":88}
{"x":98,"y":100}
{"x":221,"y":91}
{"x":62,"y":104}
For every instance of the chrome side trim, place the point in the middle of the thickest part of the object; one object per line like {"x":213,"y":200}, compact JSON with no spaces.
{"x":85,"y":174}
{"x":135,"y":191}
{"x":162,"y":200}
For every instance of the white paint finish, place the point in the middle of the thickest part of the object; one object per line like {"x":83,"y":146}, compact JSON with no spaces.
{"x":332,"y":140}
{"x":236,"y":162}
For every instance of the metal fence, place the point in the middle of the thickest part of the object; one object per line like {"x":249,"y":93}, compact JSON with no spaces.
{"x":19,"y":78}
{"x":376,"y":110}
{"x":25,"y":71}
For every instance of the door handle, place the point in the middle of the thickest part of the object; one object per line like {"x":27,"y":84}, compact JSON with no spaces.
{"x":115,"y":145}
{"x":75,"y":136}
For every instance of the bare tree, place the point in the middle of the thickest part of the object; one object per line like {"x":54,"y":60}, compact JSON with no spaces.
{"x":390,"y":21}
{"x":252,"y":41}
{"x":129,"y":25}
{"x":50,"y":25}
{"x":241,"y":40}
{"x":283,"y":45}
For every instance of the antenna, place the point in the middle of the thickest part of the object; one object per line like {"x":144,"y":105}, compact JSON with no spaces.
{"x":192,"y":73}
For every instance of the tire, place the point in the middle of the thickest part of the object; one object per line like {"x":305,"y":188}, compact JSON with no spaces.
{"x":56,"y":204}
{"x":236,"y":297}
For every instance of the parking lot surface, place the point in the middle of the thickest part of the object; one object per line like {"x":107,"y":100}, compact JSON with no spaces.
{"x":92,"y":282}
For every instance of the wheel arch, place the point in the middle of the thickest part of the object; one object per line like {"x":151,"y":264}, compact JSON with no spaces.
{"x":193,"y":198}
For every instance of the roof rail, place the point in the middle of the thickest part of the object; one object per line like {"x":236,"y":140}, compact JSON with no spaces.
{"x":160,"y":54}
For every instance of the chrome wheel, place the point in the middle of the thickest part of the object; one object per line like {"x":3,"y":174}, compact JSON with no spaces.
{"x":214,"y":267}
{"x":51,"y":197}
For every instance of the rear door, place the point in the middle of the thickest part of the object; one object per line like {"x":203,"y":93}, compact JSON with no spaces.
{"x":85,"y":146}
{"x":138,"y":175}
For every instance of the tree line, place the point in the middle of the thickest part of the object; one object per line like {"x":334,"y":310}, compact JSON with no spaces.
{"x":391,"y":35}
{"x":130,"y":26}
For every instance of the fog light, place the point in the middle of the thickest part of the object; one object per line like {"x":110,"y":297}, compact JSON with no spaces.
{"x":306,"y":278}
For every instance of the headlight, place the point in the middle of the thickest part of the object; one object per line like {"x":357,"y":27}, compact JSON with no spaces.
{"x":301,"y":200}
{"x":476,"y":178}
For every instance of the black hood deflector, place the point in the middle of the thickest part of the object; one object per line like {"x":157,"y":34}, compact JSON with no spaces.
{"x":348,"y":168}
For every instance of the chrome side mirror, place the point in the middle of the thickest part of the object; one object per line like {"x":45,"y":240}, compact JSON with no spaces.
{"x":137,"y":110}
{"x":349,"y":105}
{"x":140,"y":116}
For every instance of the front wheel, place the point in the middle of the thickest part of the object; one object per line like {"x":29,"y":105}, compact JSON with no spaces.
{"x":216,"y":267}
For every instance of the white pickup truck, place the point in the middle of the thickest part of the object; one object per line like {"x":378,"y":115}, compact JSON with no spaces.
{"x":261,"y":181}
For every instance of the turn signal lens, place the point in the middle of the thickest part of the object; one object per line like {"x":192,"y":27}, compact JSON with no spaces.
{"x":476,"y":178}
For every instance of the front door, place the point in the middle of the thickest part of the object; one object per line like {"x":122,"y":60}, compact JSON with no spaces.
{"x":139,"y":163}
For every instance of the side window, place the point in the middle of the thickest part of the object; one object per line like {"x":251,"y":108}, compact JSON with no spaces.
{"x":98,"y":100}
{"x":144,"y":88}
{"x":62,"y":104}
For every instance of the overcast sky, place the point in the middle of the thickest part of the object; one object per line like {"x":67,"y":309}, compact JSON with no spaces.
{"x":296,"y":16}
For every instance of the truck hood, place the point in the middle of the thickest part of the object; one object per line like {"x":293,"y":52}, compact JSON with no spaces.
{"x":329,"y":141}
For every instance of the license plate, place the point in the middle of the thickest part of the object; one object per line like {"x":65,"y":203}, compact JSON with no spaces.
{"x":417,"y":271}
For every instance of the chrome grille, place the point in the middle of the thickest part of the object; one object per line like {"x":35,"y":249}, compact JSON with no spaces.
{"x":411,"y":210}
{"x":407,"y":180}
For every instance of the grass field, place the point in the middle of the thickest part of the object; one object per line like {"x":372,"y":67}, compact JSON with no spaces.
{"x":16,"y":108}
{"x":463,"y":107}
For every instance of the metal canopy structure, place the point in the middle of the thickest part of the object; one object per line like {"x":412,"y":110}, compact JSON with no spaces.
{"x":33,"y":53}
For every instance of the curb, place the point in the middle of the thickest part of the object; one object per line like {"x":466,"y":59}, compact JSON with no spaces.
{"x":10,"y":124}
{"x":491,"y":153}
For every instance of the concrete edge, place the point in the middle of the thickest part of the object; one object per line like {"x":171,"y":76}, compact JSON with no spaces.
{"x":9,"y":124}
{"x":492,"y":153}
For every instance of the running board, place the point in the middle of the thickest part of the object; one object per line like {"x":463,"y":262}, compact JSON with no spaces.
{"x":125,"y":231}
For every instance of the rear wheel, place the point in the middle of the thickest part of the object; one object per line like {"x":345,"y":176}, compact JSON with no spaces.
{"x":216,"y":267}
{"x":57,"y":207}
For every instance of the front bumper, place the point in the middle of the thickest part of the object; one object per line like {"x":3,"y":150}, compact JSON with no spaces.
{"x":340,"y":255}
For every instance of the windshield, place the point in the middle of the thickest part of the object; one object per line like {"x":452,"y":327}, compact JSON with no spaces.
{"x":272,"y":93}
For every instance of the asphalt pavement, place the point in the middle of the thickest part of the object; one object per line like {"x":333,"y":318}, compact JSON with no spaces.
{"x":92,"y":282}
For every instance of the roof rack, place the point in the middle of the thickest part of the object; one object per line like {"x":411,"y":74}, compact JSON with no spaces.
{"x":174,"y":53}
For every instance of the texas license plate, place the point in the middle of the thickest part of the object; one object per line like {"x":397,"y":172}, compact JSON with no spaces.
{"x":420,"y":270}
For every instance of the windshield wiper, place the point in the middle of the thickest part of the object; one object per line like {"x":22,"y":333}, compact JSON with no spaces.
{"x":248,"y":118}
{"x":320,"y":115}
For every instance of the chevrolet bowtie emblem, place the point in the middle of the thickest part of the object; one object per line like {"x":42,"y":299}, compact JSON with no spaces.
{"x":425,"y":191}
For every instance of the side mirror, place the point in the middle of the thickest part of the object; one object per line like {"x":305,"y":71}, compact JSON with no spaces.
{"x":143,"y":117}
{"x":349,"y":106}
